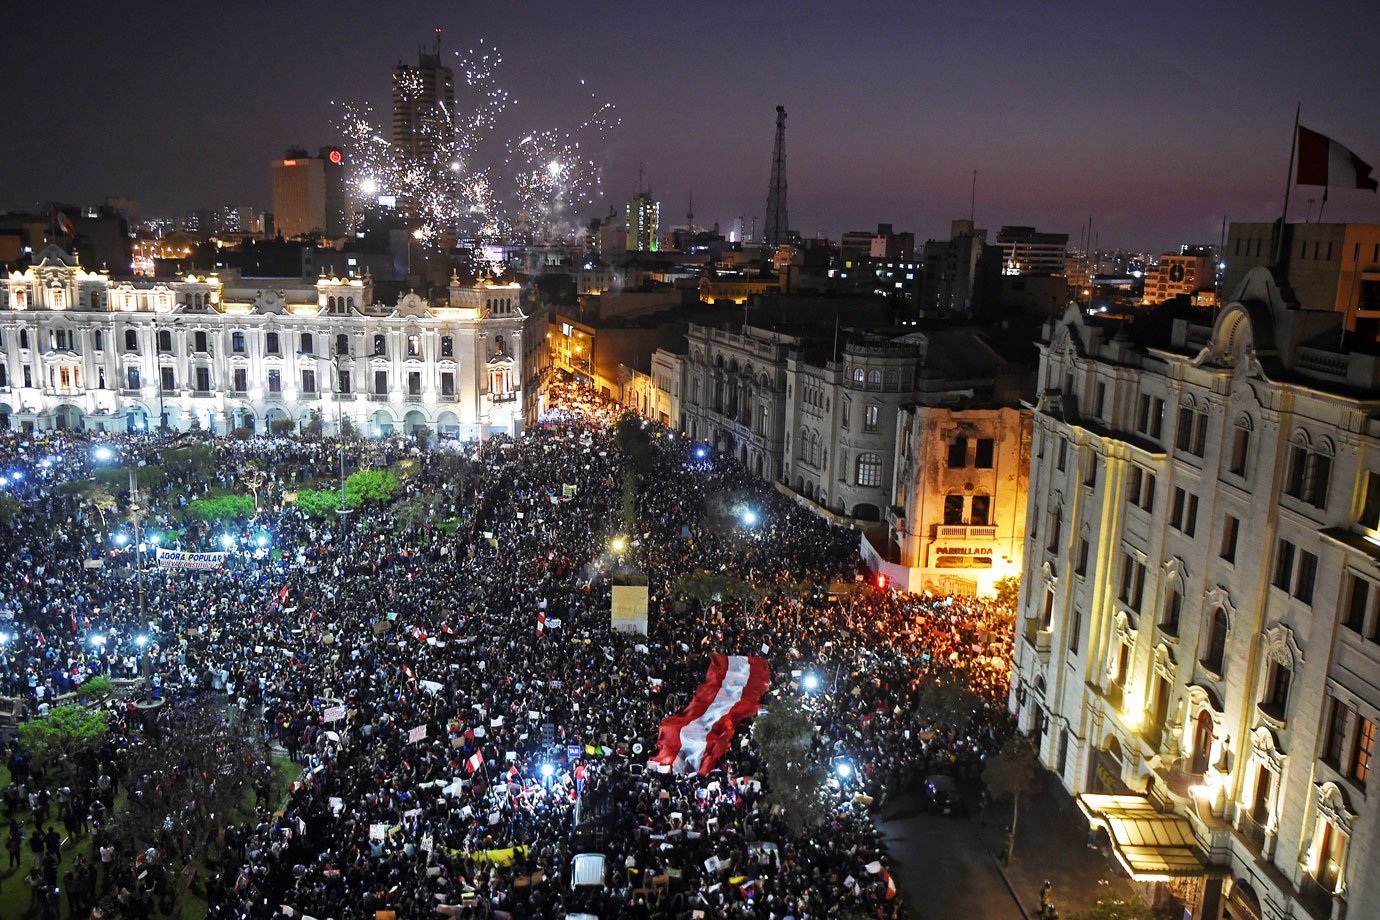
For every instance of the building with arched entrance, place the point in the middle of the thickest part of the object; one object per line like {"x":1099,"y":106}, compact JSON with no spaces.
{"x":82,"y":350}
{"x":1200,"y":603}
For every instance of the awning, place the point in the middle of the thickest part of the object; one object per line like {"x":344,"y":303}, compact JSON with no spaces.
{"x":1149,"y":844}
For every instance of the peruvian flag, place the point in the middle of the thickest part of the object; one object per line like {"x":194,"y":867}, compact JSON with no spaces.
{"x":541,"y":622}
{"x":693,"y":740}
{"x":418,"y":633}
{"x":1323,"y":161}
{"x":475,"y":760}
{"x":63,"y":222}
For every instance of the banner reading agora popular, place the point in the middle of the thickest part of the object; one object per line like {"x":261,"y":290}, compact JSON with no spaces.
{"x":182,"y":559}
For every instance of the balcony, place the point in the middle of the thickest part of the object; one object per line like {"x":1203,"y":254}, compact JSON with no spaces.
{"x":965,"y":532}
{"x":1252,"y":833}
{"x":202,"y":394}
{"x":309,"y":395}
{"x":1037,"y":638}
{"x":1315,"y":898}
{"x":378,"y":397}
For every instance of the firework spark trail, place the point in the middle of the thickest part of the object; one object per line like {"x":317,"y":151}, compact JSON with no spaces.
{"x":538,"y":182}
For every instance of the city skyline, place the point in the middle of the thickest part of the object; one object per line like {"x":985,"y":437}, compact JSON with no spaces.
{"x":1158,"y":123}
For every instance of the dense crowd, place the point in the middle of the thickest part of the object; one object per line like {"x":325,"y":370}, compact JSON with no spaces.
{"x":454,"y":756}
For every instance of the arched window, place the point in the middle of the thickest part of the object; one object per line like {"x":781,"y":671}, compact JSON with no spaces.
{"x":814,"y":448}
{"x":342,"y":344}
{"x":1240,"y":445}
{"x":874,"y":380}
{"x":870,"y":420}
{"x":869,"y":472}
{"x":330,"y":304}
{"x":1215,"y":651}
{"x":859,"y":376}
{"x":804,"y":444}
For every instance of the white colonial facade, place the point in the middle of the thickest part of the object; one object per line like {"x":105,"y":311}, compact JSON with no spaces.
{"x":79,"y":349}
{"x":1198,"y":647}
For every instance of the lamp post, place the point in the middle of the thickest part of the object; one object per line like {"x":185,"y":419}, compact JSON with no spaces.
{"x":136,"y":517}
{"x":340,"y":429}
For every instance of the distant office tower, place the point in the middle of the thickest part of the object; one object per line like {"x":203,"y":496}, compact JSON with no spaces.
{"x":778,"y":223}
{"x":1030,"y":253}
{"x":1178,"y":274}
{"x":309,"y":193}
{"x":423,"y":103}
{"x":644,"y":214}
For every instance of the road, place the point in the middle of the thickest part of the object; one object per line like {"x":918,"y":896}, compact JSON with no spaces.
{"x":941,"y":865}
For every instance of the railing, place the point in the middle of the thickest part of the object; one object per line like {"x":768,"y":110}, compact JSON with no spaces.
{"x":966,"y":532}
{"x":1315,"y":898}
{"x":378,"y":397}
{"x":1252,"y":833}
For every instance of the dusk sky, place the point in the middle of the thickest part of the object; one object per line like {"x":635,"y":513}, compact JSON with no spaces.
{"x":1157,"y":119}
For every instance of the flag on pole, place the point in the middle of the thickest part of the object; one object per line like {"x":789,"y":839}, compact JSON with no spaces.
{"x":541,"y":622}
{"x":694,"y":739}
{"x":63,"y":222}
{"x":475,"y":760}
{"x":1323,"y":161}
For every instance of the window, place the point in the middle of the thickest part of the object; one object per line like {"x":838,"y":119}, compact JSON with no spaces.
{"x":167,"y":379}
{"x":308,"y":381}
{"x":131,"y":377}
{"x":164,"y":341}
{"x":1276,"y":701}
{"x":1132,"y":581}
{"x":1075,"y":629}
{"x":100,"y":340}
{"x":275,"y":381}
{"x":1357,"y":603}
{"x":447,"y":346}
{"x":237,"y":342}
{"x":985,"y":453}
{"x":1080,"y":565}
{"x":870,"y":418}
{"x":1370,"y":508}
{"x":1184,"y":515}
{"x":131,"y":340}
{"x":199,"y":342}
{"x":874,"y":380}
{"x":1090,"y":469}
{"x":1305,"y":577}
{"x":869,"y":470}
{"x":1122,"y":666}
{"x":447,"y":383}
{"x":381,"y":383}
{"x":1062,"y":457}
{"x":1240,"y":448}
{"x":1150,"y":415}
{"x":980,"y":515}
{"x":1190,"y":436}
{"x":23,"y":338}
{"x":1337,"y":718}
{"x":28,"y":376}
{"x":1099,"y":399}
{"x":1140,"y":488}
{"x":1230,"y":526}
{"x":414,"y":383}
{"x":308,"y":344}
{"x":843,"y":415}
{"x":1216,"y":648}
{"x":1047,"y":610}
{"x":953,"y":509}
{"x":380,"y":346}
{"x":414,"y":345}
{"x":859,"y":376}
{"x":1284,"y":564}
{"x":203,"y":379}
{"x":1308,"y":475}
{"x":271,"y":343}
{"x":342,"y":344}
{"x":239,"y":380}
{"x":1362,"y":751}
{"x":1056,"y":525}
{"x":1173,"y":607}
{"x":958,"y":452}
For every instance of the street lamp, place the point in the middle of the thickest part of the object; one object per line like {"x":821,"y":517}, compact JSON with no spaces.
{"x":748,"y":517}
{"x":618,"y":544}
{"x":844,"y":769}
{"x":103,"y":454}
{"x":811,"y":682}
{"x":340,"y":428}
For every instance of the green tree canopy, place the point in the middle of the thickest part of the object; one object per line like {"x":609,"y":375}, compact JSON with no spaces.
{"x":371,"y":486}
{"x":219,"y":508}
{"x":194,"y":458}
{"x":321,"y":503}
{"x":64,"y":733}
{"x":784,"y":736}
{"x":9,"y":508}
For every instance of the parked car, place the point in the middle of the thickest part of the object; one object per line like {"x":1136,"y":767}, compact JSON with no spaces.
{"x":942,"y":794}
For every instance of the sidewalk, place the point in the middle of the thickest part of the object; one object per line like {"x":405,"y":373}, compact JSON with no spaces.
{"x":1051,"y":843}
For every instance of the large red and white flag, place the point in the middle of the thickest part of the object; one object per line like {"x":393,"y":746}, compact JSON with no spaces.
{"x":1323,"y":161}
{"x":693,"y":740}
{"x":475,"y":760}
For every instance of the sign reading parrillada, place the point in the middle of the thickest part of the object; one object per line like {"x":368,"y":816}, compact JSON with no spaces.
{"x":181,"y":559}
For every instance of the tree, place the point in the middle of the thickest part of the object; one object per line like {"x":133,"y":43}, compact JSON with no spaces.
{"x":282,"y":426}
{"x":220,"y":508}
{"x":1011,"y":772}
{"x":188,"y":778}
{"x":9,"y":508}
{"x":796,"y":781}
{"x":1007,"y":592}
{"x":199,"y":459}
{"x":98,"y":498}
{"x":314,"y":424}
{"x":321,"y":503}
{"x":148,"y":479}
{"x":706,"y":587}
{"x":422,"y":435}
{"x":348,"y":430}
{"x":415,"y":512}
{"x":371,"y":486}
{"x":66,"y":732}
{"x":1117,"y":909}
{"x":97,"y":688}
{"x":947,"y":698}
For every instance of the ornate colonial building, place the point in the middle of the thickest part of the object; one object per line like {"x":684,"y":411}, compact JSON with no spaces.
{"x":79,"y":349}
{"x":1197,"y":649}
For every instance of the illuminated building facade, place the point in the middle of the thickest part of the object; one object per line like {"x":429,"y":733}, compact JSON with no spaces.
{"x":643,"y":219}
{"x":82,"y":350}
{"x":1178,"y":274}
{"x":1198,"y":642}
{"x":1028,"y":252}
{"x":309,"y":193}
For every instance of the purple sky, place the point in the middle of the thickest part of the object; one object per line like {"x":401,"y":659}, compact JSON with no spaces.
{"x":1158,"y":119}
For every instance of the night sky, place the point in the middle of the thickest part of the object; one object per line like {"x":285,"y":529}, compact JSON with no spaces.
{"x":1158,"y":119}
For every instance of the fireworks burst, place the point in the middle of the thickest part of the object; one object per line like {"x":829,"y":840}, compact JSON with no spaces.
{"x":452,"y":175}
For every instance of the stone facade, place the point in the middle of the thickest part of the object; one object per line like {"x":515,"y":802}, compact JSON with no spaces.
{"x":1198,"y":613}
{"x":79,"y":349}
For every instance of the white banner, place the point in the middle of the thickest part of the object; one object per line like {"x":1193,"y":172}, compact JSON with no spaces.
{"x":416,"y":734}
{"x":334,"y":714}
{"x":181,"y":559}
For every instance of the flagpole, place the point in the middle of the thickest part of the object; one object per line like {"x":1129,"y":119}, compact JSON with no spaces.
{"x":1288,"y":183}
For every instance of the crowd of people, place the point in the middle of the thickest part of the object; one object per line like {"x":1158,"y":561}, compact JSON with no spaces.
{"x":463,"y":719}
